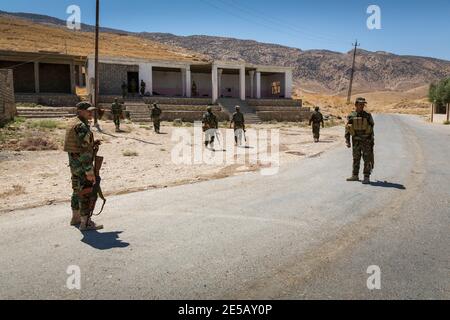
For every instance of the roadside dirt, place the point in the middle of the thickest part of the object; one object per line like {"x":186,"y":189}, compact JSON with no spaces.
{"x":137,"y":159}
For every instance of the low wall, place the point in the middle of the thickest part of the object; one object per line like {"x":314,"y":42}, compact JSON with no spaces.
{"x":63,"y":100}
{"x":7,"y":105}
{"x":159,"y":100}
{"x":281,"y":116}
{"x":274,"y":102}
{"x":191,"y":116}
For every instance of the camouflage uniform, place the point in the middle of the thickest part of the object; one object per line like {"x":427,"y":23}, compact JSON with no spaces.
{"x":360,"y":128}
{"x":156,"y":117}
{"x":143,"y":86}
{"x":79,"y":144}
{"x":210,"y":124}
{"x":116,"y":109}
{"x":316,"y":120}
{"x":238,"y":122}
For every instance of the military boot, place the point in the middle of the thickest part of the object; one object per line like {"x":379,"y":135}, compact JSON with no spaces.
{"x":88,"y":225}
{"x":366,"y":180}
{"x":353,"y":178}
{"x":76,"y":218}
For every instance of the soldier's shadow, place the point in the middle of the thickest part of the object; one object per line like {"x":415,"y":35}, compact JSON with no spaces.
{"x":385,"y":184}
{"x":103,"y":241}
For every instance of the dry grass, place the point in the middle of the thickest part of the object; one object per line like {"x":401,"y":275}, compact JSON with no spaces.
{"x":407,"y":102}
{"x":38,"y":144}
{"x":15,"y":191}
{"x":22,"y":35}
{"x":128,"y":153}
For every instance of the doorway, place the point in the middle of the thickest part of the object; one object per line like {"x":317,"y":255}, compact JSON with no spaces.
{"x":133,"y":82}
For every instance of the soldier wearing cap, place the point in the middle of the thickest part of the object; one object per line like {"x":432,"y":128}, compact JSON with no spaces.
{"x":316,"y":120}
{"x":117,"y":111}
{"x":238,"y":123}
{"x":210,"y":125}
{"x":80,"y":145}
{"x":156,"y":118}
{"x":359,"y":127}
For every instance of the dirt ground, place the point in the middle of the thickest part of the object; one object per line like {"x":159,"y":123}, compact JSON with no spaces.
{"x":136,"y":159}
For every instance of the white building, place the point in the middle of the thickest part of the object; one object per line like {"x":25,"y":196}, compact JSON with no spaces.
{"x":218,"y":79}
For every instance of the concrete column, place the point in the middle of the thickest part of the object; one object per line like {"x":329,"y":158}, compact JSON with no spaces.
{"x":242,"y":82}
{"x":219,"y":82}
{"x":215,"y":90}
{"x":252,"y":84}
{"x":183,"y":83}
{"x":288,"y":85}
{"x":36,"y":77}
{"x":90,"y":79}
{"x":146,"y":74}
{"x":80,"y":75}
{"x":73,"y":84}
{"x":188,"y":83}
{"x":258,"y":85}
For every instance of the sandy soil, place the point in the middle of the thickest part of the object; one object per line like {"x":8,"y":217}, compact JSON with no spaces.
{"x":138,"y":159}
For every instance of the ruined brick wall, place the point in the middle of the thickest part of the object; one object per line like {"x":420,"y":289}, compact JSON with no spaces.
{"x":7,"y":103}
{"x":112,"y":76}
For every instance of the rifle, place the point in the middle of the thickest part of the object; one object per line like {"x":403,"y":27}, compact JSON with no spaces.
{"x":94,"y":190}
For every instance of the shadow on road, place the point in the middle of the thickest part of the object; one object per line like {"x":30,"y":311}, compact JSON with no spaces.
{"x":103,"y":241}
{"x":385,"y":184}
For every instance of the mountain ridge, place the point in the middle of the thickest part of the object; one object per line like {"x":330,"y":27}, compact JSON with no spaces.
{"x":317,"y":70}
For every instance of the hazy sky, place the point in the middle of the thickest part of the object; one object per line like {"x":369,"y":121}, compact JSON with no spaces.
{"x":419,"y":27}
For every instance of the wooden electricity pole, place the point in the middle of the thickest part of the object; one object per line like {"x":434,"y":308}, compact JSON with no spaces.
{"x":96,"y":90}
{"x":352,"y":72}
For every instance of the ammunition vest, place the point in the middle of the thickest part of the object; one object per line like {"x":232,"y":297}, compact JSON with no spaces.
{"x":359,"y":127}
{"x":71,"y":144}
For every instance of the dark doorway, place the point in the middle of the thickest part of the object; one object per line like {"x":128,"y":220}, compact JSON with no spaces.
{"x":54,"y":78}
{"x":133,"y":82}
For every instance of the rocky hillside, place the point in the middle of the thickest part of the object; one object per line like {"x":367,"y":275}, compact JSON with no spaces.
{"x":315,"y":70}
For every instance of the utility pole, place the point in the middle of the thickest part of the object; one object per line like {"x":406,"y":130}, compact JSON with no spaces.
{"x":356,"y":44}
{"x":96,"y":90}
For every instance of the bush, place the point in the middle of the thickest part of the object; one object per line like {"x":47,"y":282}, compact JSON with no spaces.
{"x":447,"y":122}
{"x":128,"y":153}
{"x":44,"y":124}
{"x":38,"y":144}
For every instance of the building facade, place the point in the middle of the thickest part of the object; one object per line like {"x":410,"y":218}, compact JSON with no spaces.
{"x":218,"y":79}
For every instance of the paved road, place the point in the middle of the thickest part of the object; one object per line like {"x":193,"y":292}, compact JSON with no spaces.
{"x":304,"y":233}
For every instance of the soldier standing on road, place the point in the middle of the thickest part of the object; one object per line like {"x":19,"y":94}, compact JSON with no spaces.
{"x":360,"y":127}
{"x":210,"y":125}
{"x":80,"y":145}
{"x":238,"y":123}
{"x":143,"y":85}
{"x":156,"y":117}
{"x":124,"y":90}
{"x":117,"y":111}
{"x":316,"y":120}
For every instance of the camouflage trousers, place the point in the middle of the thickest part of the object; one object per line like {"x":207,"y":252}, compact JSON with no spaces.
{"x":156,"y":124}
{"x":316,"y":130}
{"x":363,"y":148}
{"x":116,"y":118}
{"x":79,"y":182}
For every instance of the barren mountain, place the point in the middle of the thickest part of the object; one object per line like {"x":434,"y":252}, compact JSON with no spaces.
{"x":314,"y":70}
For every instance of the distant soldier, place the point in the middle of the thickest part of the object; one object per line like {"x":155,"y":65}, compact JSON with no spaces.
{"x":360,"y":126}
{"x":194,"y":89}
{"x":143,"y":85}
{"x":156,"y":117}
{"x":117,"y":111}
{"x":210,"y":125}
{"x":124,"y":89}
{"x":80,"y":145}
{"x":238,"y":123}
{"x":316,"y":120}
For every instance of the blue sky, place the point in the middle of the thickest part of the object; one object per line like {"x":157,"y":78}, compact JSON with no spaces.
{"x":419,"y":27}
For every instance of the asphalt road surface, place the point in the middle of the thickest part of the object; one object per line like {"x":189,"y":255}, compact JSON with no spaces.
{"x":304,"y":233}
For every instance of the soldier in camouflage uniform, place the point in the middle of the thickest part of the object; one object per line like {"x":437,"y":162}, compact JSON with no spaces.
{"x":156,"y":117}
{"x":360,"y":126}
{"x":238,"y":123}
{"x":117,"y":111}
{"x":316,"y":120}
{"x":210,"y":125}
{"x":80,"y":145}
